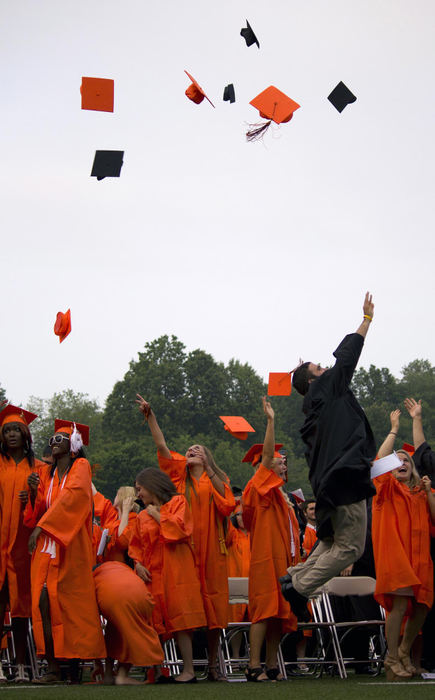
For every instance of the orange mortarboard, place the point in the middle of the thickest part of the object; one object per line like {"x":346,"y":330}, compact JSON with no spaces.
{"x":67,"y":426}
{"x":97,"y":94}
{"x":13,"y":414}
{"x":275,"y":105}
{"x":195,"y":92}
{"x":280,"y":384}
{"x":254,"y":453}
{"x":237,"y":426}
{"x":408,"y":448}
{"x":62,"y":327}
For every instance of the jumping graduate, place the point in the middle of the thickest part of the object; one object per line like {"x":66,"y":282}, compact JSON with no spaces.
{"x":340,"y":448}
{"x":209,"y":495}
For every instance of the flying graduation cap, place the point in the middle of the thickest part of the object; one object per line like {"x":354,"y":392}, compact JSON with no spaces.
{"x":97,"y":94}
{"x":195,"y":92}
{"x":237,"y":426}
{"x":107,"y":164}
{"x":229,"y":94}
{"x":341,"y":96}
{"x":273,"y":105}
{"x":248,"y":34}
{"x":280,"y":384}
{"x":62,"y":326}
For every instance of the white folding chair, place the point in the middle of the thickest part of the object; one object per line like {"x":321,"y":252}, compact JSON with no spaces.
{"x":239,"y":593}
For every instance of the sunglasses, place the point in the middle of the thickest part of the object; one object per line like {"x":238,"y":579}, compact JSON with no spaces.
{"x":57,"y":439}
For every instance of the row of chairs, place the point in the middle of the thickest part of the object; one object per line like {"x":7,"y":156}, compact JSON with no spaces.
{"x":330,"y":632}
{"x":330,"y":635}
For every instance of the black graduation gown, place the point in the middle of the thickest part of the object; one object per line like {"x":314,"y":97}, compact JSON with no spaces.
{"x":340,"y":445}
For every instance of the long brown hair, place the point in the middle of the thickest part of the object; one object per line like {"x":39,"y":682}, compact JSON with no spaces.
{"x":157,"y":482}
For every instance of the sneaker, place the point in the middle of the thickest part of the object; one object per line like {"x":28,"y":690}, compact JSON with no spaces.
{"x":21,"y":676}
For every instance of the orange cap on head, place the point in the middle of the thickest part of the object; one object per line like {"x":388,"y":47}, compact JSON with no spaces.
{"x":275,"y":105}
{"x":408,"y":448}
{"x":253,"y":455}
{"x":280,"y":384}
{"x":67,"y":426}
{"x":237,"y":426}
{"x":62,"y":326}
{"x":97,"y":94}
{"x":195,"y":92}
{"x":13,"y":414}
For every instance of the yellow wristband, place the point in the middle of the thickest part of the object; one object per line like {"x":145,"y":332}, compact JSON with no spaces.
{"x":370,"y":318}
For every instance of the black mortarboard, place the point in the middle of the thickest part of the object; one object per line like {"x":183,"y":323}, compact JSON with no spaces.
{"x":341,"y":96}
{"x":107,"y":164}
{"x":249,"y":35}
{"x":229,"y":94}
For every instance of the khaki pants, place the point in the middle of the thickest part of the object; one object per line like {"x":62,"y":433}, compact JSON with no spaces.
{"x":333,"y":554}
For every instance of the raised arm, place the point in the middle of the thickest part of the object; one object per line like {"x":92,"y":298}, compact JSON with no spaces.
{"x":157,"y":435}
{"x":269,"y":438}
{"x":387,"y":446}
{"x":368,"y":309}
{"x":415,"y":411}
{"x":425,"y":486}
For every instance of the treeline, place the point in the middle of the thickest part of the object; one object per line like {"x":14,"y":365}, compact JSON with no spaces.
{"x":189,"y":391}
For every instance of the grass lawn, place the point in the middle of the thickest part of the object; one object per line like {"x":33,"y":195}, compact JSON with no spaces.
{"x":306,"y":689}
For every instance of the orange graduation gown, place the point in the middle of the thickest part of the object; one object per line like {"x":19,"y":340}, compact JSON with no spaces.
{"x":126,"y":603}
{"x":209,"y":510}
{"x":239,"y":558}
{"x":14,"y":535}
{"x":118,"y":544}
{"x":274,"y":546}
{"x":401,"y":541}
{"x":104,"y":512}
{"x":164,"y":549}
{"x":310,"y":538}
{"x":63,"y":561}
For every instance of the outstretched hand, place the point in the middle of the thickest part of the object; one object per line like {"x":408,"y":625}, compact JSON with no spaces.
{"x":368,"y":306}
{"x":267,"y":408}
{"x":413,"y":407}
{"x":395,"y":419}
{"x":144,"y":406}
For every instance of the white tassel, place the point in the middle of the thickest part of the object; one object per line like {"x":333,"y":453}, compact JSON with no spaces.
{"x":76,"y":441}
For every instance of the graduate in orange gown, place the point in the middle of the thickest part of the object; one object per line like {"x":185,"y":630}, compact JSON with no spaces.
{"x":209,"y":495}
{"x":126,"y":603}
{"x":66,"y":621}
{"x":310,"y":535}
{"x":17,"y":462}
{"x":161,"y":547}
{"x":403,"y":511}
{"x":275,"y":546}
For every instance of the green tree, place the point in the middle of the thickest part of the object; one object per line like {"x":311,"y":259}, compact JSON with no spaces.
{"x":65,"y":405}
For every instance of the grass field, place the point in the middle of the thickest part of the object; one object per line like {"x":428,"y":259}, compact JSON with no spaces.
{"x":306,"y":689}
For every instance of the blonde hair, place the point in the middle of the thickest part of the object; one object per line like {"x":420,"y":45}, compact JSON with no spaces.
{"x":127,"y":492}
{"x":415,"y":477}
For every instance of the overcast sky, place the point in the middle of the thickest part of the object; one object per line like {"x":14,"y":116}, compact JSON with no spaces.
{"x":258,"y":251}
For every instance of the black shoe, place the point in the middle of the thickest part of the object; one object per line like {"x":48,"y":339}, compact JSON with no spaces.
{"x":298,"y":602}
